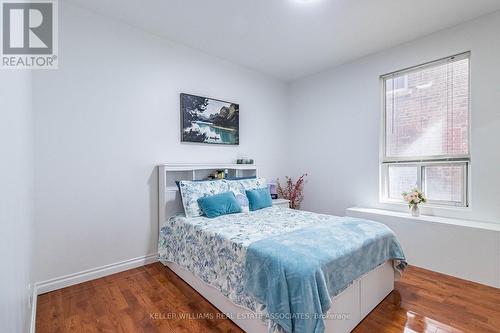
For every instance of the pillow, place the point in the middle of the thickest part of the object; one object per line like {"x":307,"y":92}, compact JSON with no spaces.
{"x":238,"y":187}
{"x":191,"y":191}
{"x":241,"y":185}
{"x":219,"y":204}
{"x":252,"y":183}
{"x":178,"y":182}
{"x":240,"y":178}
{"x":242,"y":200}
{"x":259,"y":198}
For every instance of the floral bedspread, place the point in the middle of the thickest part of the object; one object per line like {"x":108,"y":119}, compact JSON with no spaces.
{"x":215,"y":249}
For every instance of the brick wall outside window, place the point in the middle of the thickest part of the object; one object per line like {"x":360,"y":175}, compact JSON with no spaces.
{"x":427,"y":114}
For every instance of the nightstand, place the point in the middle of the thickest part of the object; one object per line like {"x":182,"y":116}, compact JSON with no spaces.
{"x":281,"y":203}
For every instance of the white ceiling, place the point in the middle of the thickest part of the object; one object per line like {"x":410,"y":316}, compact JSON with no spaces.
{"x":289,"y":39}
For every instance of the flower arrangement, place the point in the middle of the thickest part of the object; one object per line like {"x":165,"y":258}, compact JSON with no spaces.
{"x":414,"y":198}
{"x":292,"y":191}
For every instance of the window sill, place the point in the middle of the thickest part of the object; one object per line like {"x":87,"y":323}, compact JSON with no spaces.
{"x":426,"y":206}
{"x":373,"y":213}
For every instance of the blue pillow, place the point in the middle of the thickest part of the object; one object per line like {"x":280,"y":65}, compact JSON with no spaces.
{"x":259,"y":198}
{"x":219,"y":204}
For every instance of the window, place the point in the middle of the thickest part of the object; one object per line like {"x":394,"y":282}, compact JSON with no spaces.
{"x":426,"y":132}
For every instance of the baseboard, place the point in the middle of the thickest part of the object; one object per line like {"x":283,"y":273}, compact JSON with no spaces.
{"x":33,"y":309}
{"x":91,"y":274}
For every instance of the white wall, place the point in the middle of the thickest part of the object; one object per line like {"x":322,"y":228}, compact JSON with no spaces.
{"x":336,"y":116}
{"x":110,"y":113}
{"x":16,"y":200}
{"x":468,"y":250}
{"x":107,"y":116}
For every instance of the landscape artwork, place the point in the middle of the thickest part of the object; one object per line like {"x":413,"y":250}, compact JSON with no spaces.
{"x":208,"y":120}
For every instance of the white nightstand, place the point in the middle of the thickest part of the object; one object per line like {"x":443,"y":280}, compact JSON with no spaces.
{"x":281,"y":203}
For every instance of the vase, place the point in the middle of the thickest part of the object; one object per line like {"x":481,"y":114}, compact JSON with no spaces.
{"x":415,"y":211}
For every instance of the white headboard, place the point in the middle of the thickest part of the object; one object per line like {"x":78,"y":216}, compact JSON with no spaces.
{"x":169,"y":202}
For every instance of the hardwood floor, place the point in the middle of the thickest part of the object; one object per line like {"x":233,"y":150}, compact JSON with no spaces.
{"x":425,"y":301}
{"x":154,"y":299}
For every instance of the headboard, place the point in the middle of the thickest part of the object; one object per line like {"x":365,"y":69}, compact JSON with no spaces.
{"x":169,"y":202}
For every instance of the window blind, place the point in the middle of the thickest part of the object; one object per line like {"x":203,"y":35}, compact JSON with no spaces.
{"x":426,"y":111}
{"x":426,"y":131}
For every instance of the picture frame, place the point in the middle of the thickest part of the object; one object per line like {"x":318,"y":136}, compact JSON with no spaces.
{"x":209,"y":120}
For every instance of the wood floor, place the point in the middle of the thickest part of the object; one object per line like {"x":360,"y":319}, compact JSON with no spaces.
{"x":153,"y":299}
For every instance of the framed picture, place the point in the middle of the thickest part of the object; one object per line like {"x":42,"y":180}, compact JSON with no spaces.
{"x":208,"y":120}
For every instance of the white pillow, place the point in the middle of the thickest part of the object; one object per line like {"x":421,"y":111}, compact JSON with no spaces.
{"x":191,"y":191}
{"x":243,"y":201}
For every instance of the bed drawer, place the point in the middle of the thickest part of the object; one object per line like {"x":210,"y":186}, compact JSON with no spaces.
{"x":375,"y":287}
{"x":343,"y":315}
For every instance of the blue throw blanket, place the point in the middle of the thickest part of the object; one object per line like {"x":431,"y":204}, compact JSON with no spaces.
{"x":295,"y":274}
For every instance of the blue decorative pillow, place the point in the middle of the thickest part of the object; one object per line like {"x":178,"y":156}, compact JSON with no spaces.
{"x":259,"y":198}
{"x":219,"y":204}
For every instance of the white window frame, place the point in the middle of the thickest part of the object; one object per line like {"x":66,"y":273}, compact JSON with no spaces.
{"x":420,"y":162}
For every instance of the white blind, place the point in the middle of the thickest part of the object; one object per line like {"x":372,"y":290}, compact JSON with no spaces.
{"x":427,"y":111}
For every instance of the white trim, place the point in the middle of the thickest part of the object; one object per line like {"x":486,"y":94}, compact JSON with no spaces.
{"x":425,"y":218}
{"x":421,"y":182}
{"x":205,"y":166}
{"x":34,"y":297}
{"x":439,"y":210}
{"x":421,"y":161}
{"x":429,"y":64}
{"x":94,"y":273}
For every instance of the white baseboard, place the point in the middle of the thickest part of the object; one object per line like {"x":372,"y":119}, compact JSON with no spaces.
{"x":33,"y":309}
{"x":91,"y":274}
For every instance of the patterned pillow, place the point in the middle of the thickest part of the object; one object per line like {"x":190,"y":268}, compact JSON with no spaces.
{"x":191,"y":191}
{"x":239,"y":187}
{"x":242,"y":185}
{"x":242,"y":200}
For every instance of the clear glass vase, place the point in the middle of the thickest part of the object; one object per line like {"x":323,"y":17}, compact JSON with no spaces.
{"x":415,"y":211}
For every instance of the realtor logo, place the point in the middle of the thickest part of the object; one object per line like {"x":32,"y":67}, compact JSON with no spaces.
{"x":29,"y":39}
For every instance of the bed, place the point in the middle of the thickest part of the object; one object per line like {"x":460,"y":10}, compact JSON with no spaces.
{"x":218,"y":257}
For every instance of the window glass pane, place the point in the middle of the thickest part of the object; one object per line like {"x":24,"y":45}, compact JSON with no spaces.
{"x":427,"y":111}
{"x":445,"y":183}
{"x":401,"y":179}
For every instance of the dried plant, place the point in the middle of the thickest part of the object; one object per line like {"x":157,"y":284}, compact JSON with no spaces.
{"x":292,"y":191}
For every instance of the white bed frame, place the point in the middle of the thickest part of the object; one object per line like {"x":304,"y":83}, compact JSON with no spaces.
{"x":348,"y":308}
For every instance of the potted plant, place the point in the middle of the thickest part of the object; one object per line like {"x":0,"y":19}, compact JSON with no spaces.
{"x":414,"y":198}
{"x":291,"y":190}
